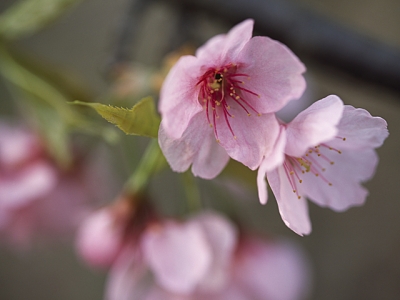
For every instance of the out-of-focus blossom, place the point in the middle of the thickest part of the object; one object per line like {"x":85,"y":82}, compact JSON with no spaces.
{"x":36,"y":198}
{"x":204,"y":258}
{"x":100,"y":237}
{"x":328,"y":151}
{"x":221,"y":102}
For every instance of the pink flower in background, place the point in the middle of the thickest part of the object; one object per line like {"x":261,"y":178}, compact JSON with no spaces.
{"x":220,"y":103}
{"x":203,"y":258}
{"x":36,"y":198}
{"x":100,"y":237}
{"x":182,"y":257}
{"x":328,"y":151}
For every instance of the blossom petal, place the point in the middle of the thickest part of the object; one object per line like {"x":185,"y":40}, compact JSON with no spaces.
{"x":349,"y":168}
{"x":360,"y":130}
{"x":99,"y":239}
{"x":294,"y":211}
{"x":34,"y":181}
{"x":198,"y":146}
{"x":179,"y":96}
{"x":178,"y":254}
{"x":314,"y":125}
{"x":222,"y":238}
{"x":16,"y":145}
{"x":273,"y":270}
{"x":275,"y":74}
{"x":224,"y":48}
{"x":255,"y":136}
{"x":127,"y":277}
{"x":269,"y":163}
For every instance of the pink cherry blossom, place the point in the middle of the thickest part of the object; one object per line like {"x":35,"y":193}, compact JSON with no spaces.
{"x":191,"y":256}
{"x":274,"y":269}
{"x":37,"y":199}
{"x":183,"y":257}
{"x":323,"y":154}
{"x":220,"y":103}
{"x":100,"y":238}
{"x":180,"y":261}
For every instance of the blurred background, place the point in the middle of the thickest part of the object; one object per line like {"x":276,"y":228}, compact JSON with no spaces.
{"x":354,"y":254}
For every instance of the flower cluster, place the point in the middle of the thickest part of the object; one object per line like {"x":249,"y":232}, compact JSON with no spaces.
{"x":37,"y":198}
{"x":201,"y":258}
{"x":221,"y":103}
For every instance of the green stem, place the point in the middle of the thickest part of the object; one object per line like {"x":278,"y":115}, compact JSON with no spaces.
{"x":151,"y":163}
{"x":192,"y":192}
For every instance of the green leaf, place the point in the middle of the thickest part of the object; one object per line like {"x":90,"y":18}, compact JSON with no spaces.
{"x":29,"y":16}
{"x":141,"y":119}
{"x":44,"y":105}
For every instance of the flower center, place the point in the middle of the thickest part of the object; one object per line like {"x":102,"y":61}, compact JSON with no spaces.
{"x":315,"y":161}
{"x":218,"y":88}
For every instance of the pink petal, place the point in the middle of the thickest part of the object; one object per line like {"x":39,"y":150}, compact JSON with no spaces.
{"x":255,"y":136}
{"x":222,"y":238}
{"x":360,"y":129}
{"x":128,"y":278}
{"x":314,"y":125}
{"x":223,"y":49}
{"x":16,"y":145}
{"x":269,"y":163}
{"x":274,"y":271}
{"x":32,"y":182}
{"x":275,"y":74}
{"x":294,"y":211}
{"x":99,"y":238}
{"x":157,"y":293}
{"x":345,"y":174}
{"x":197,"y":146}
{"x":178,"y":254}
{"x":179,"y":96}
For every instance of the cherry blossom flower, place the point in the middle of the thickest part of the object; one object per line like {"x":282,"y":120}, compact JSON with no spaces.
{"x":203,"y":258}
{"x":100,"y":238}
{"x":37,"y":199}
{"x":221,"y":102}
{"x":328,"y":151}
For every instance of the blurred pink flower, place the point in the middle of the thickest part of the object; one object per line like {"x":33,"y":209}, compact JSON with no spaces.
{"x":37,"y":199}
{"x":100,"y":237}
{"x":328,"y":151}
{"x":220,"y":103}
{"x":203,"y":258}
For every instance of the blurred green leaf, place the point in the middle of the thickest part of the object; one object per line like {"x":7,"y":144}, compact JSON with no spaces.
{"x":67,"y":82}
{"x":30,"y":83}
{"x":141,"y":119}
{"x":46,"y":106}
{"x":29,"y":16}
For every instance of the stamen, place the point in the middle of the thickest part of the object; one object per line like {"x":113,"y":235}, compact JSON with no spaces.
{"x":214,"y":87}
